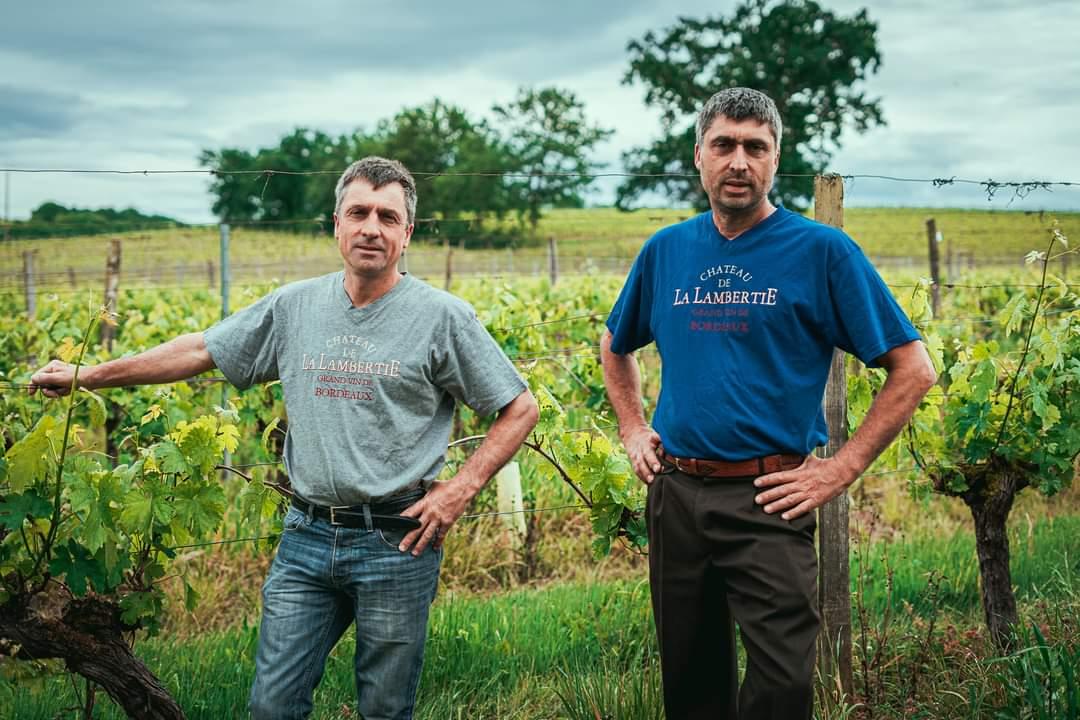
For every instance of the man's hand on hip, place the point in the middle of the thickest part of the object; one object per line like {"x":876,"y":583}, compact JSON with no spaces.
{"x":797,"y":492}
{"x":641,"y":446}
{"x":436,"y":511}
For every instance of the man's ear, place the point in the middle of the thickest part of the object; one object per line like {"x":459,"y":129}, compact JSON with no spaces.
{"x":697,"y":156}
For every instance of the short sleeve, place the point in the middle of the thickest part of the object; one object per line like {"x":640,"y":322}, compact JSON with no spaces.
{"x":630,"y":320}
{"x":243,"y":345}
{"x":475,"y":370}
{"x":870,"y":321}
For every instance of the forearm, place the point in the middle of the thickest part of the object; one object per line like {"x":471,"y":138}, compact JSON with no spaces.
{"x":622,"y":380}
{"x":180,"y":358}
{"x":507,"y":433}
{"x":909,"y":378}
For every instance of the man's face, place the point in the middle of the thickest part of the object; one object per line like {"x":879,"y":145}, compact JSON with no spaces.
{"x":737,"y":162}
{"x":372,"y":228}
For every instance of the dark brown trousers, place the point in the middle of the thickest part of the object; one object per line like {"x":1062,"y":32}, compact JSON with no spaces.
{"x":716,"y":559}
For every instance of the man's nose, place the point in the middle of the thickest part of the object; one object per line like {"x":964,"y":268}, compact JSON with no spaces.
{"x":738,"y":158}
{"x":369,"y":226}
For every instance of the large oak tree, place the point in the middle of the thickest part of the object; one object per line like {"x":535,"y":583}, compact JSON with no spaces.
{"x":811,"y":61}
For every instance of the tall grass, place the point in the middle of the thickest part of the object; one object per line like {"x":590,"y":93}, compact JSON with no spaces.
{"x":588,"y":650}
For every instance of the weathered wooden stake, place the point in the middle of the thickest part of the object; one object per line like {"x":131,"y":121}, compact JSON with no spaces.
{"x":834,"y":575}
{"x":935,"y":269}
{"x":553,"y":261}
{"x":112,"y":287}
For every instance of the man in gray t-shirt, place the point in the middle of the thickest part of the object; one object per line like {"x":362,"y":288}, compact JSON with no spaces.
{"x":371,"y":362}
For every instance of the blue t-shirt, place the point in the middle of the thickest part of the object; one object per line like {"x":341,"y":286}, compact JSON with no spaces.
{"x":746,"y":330}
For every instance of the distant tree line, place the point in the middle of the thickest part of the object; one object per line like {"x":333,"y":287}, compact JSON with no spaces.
{"x":51,"y":219}
{"x":538,"y":156}
{"x":810,"y":60}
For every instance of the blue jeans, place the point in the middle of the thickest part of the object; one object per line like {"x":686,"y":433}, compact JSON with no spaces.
{"x":322,"y":579}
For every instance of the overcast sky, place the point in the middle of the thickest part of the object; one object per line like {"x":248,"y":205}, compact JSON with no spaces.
{"x":979,"y":90}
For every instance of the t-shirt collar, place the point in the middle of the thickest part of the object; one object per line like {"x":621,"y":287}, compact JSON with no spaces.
{"x":346,"y":301}
{"x":772,"y":218}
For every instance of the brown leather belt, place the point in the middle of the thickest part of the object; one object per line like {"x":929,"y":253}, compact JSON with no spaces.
{"x":741,"y":468}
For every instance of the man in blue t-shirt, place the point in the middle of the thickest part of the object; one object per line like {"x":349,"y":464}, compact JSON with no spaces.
{"x":746,"y":304}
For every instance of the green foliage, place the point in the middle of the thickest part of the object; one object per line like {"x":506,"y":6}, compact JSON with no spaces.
{"x":550,"y":140}
{"x":52,"y":220}
{"x":68,"y":515}
{"x":1010,"y":396}
{"x":458,"y":162}
{"x":1043,"y":680}
{"x":809,"y":60}
{"x":243,"y":192}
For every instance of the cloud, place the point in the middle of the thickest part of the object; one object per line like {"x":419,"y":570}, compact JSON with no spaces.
{"x":28,"y":113}
{"x":985,"y":89}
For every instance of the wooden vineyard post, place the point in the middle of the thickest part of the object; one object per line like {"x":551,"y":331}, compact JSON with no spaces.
{"x":112,"y":286}
{"x":834,"y":575}
{"x":28,"y":283}
{"x":449,"y":264}
{"x":935,"y":265}
{"x":553,"y":261}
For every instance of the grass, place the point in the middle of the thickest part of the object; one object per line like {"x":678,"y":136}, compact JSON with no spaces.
{"x":603,"y":238}
{"x":587,"y":650}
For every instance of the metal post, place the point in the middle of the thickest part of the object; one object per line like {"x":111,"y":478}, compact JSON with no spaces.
{"x":224,"y":270}
{"x":28,"y":283}
{"x":224,"y":228}
{"x":834,"y":587}
{"x":449,"y":264}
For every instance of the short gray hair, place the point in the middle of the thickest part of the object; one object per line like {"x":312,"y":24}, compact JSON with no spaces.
{"x":379,"y":171}
{"x":740,"y":103}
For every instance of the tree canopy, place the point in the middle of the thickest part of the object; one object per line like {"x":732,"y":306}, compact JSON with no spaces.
{"x":462,"y":165}
{"x":809,"y":60}
{"x":549,"y":138}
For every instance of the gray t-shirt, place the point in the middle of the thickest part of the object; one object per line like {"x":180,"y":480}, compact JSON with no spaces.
{"x":369,"y":391}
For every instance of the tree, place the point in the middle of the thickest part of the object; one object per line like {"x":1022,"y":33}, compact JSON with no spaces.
{"x":439,"y":138}
{"x":550,"y":139}
{"x":244,"y":189}
{"x":1007,"y":418}
{"x":811,"y":61}
{"x":85,"y":547}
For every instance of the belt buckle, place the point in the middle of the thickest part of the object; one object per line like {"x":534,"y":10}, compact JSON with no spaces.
{"x":333,"y":510}
{"x":678,"y":464}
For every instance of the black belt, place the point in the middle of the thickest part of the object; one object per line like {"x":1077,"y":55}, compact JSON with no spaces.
{"x":367,"y":516}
